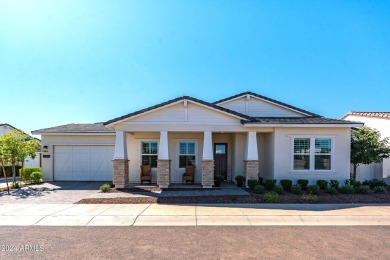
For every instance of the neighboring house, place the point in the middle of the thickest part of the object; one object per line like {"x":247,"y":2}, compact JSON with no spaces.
{"x":36,"y":162}
{"x":381,"y":122}
{"x":246,"y":134}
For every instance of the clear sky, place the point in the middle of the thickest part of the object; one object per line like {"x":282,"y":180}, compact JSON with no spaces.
{"x":90,"y":61}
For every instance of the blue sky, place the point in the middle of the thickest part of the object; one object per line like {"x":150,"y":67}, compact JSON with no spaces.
{"x":90,"y":61}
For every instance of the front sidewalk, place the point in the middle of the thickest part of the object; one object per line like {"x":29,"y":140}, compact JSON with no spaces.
{"x":193,"y":215}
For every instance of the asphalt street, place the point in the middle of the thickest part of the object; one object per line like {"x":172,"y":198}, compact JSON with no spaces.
{"x":238,"y":242}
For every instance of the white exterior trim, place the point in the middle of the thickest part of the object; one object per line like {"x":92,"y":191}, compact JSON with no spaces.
{"x":120,"y":146}
{"x":163,"y":149}
{"x":208,"y":146}
{"x":251,"y":147}
{"x":304,"y":125}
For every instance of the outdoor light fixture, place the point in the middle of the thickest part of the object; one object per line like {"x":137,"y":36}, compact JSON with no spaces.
{"x":45,"y":149}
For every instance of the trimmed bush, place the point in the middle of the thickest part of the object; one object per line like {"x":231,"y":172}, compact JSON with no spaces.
{"x":271,"y":197}
{"x":26,"y":173}
{"x":375,"y":183}
{"x":36,"y":177}
{"x":253,"y":183}
{"x":270,"y":184}
{"x":380,"y":189}
{"x":286,"y":184}
{"x":332,"y":190}
{"x":363,"y":189}
{"x":105,"y":187}
{"x":310,"y":198}
{"x":303,"y":183}
{"x":314,"y":189}
{"x":278,"y":189}
{"x":322,"y":184}
{"x":259,"y":189}
{"x":8,"y":170}
{"x":347,"y":189}
{"x":334,"y":184}
{"x":296,"y":189}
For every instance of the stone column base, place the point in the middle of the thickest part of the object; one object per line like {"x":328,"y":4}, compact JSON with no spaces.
{"x":163,"y":173}
{"x":251,"y":170}
{"x":121,"y":172}
{"x":207,"y":173}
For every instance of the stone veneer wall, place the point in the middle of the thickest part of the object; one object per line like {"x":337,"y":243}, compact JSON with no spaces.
{"x":251,"y":170}
{"x":163,"y":173}
{"x":207,"y":173}
{"x":121,"y":173}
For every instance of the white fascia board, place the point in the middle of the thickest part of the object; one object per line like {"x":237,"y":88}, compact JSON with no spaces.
{"x":304,"y":125}
{"x":74,"y":133}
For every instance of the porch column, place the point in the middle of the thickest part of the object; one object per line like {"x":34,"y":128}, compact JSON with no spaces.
{"x":207,"y":161}
{"x":120,"y":161}
{"x":251,"y":162}
{"x":163,"y":162}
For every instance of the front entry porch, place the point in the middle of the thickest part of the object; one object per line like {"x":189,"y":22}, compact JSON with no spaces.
{"x":168,"y":153}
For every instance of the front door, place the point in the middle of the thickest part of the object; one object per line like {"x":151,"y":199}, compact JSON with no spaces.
{"x":220,"y":159}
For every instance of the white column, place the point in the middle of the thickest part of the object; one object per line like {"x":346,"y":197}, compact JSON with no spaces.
{"x":163,"y":151}
{"x":251,"y":147}
{"x":208,"y":146}
{"x":120,"y":146}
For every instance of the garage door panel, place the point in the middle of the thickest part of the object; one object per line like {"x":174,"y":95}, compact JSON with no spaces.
{"x":83,"y":163}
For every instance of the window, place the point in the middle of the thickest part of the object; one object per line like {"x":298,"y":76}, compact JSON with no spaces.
{"x":149,"y":153}
{"x":312,"y":154}
{"x":186,"y":154}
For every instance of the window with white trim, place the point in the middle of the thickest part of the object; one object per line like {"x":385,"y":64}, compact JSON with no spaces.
{"x":186,"y":154}
{"x":149,"y":150}
{"x":312,"y":154}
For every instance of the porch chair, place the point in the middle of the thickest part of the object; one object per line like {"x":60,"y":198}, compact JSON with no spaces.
{"x":189,"y":174}
{"x":146,"y":173}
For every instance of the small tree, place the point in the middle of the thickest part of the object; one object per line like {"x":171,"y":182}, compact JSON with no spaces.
{"x":367,"y":147}
{"x":28,"y":148}
{"x":2,"y":164}
{"x":12,"y":143}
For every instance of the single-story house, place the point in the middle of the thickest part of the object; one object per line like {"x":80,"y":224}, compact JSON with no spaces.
{"x":29,"y":162}
{"x":246,"y":134}
{"x":381,"y":122}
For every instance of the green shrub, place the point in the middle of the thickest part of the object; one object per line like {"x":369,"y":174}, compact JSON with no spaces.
{"x":380,"y":189}
{"x":296,"y":189}
{"x":8,"y":170}
{"x":375,"y":183}
{"x":332,"y":190}
{"x":259,"y":189}
{"x":334,"y":184}
{"x":347,"y":189}
{"x":261,"y":179}
{"x":239,"y":178}
{"x":310,"y":198}
{"x":271,"y":197}
{"x":322,"y":184}
{"x":26,"y":173}
{"x":314,"y":189}
{"x":16,"y":185}
{"x":253,"y":183}
{"x":36,"y":177}
{"x":303,"y":183}
{"x":270,"y":184}
{"x":286,"y":184}
{"x":278,"y":189}
{"x":353,"y":182}
{"x":363,"y":189}
{"x":105,"y":187}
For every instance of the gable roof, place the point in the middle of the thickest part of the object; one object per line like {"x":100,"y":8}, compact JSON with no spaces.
{"x":75,"y":128}
{"x":175,"y":100}
{"x":382,"y":115}
{"x":269,"y":100}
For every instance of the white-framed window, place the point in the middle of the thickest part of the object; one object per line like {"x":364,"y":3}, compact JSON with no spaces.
{"x":149,"y":150}
{"x":312,"y":154}
{"x":187,"y":153}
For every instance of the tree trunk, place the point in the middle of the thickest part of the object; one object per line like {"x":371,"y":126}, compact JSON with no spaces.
{"x":5,"y":174}
{"x":21,"y":174}
{"x":14,"y":171}
{"x":354,"y":171}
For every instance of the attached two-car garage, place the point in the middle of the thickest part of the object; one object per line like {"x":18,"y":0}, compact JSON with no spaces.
{"x":83,"y":162}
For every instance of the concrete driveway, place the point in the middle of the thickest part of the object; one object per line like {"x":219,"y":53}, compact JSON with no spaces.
{"x":59,"y":192}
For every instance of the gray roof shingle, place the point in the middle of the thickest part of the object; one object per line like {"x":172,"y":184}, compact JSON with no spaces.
{"x":76,"y":128}
{"x":383,"y":115}
{"x":297,"y":120}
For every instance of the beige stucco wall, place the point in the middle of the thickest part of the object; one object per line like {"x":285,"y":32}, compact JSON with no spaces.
{"x":283,"y":153}
{"x":52,"y":140}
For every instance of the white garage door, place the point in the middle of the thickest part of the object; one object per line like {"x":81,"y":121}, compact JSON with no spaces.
{"x":83,"y":163}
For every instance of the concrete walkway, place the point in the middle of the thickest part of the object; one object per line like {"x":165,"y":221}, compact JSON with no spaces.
{"x":193,"y":215}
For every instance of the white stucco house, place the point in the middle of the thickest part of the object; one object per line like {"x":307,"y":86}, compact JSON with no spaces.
{"x":29,"y":162}
{"x":381,"y":122}
{"x":246,"y":134}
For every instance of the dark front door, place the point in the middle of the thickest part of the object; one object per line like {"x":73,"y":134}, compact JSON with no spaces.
{"x":220,"y":159}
